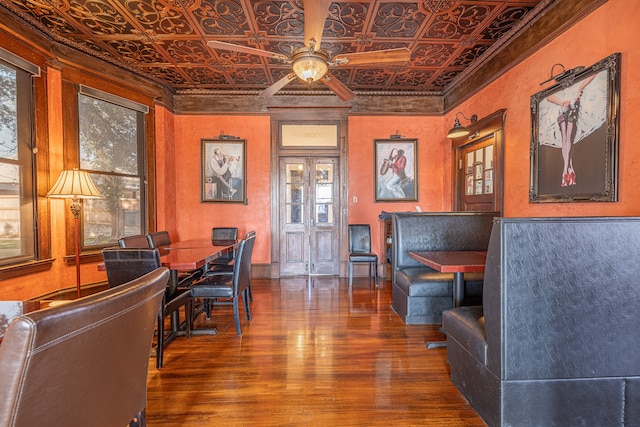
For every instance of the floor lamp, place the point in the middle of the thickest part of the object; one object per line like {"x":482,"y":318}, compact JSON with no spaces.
{"x":75,"y":184}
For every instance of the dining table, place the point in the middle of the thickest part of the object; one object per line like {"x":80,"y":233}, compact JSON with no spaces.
{"x":188,"y":256}
{"x":456,"y":262}
{"x":192,"y":255}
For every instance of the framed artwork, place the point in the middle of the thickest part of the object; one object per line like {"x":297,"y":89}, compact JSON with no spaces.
{"x":574,"y":139}
{"x":396,"y":170}
{"x":223,"y":169}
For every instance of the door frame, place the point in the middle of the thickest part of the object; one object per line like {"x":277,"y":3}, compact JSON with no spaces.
{"x":491,"y":126}
{"x":308,"y":116}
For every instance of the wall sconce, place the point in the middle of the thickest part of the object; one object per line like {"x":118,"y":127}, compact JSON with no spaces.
{"x":458,"y":130}
{"x":562,"y":74}
{"x":75,"y":184}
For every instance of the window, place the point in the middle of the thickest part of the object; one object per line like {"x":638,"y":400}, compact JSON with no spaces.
{"x":112,"y":150}
{"x":17,"y":190}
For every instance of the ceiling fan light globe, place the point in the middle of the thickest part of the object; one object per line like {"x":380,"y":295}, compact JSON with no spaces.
{"x":310,"y":66}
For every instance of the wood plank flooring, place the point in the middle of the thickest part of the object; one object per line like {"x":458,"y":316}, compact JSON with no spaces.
{"x":314,"y":354}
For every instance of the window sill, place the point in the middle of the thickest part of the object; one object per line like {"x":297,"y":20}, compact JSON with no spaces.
{"x":18,"y":270}
{"x":85,"y":258}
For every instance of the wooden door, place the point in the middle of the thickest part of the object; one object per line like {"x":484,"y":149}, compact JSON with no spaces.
{"x":309,"y":216}
{"x":477,"y":176}
{"x":478,"y":163}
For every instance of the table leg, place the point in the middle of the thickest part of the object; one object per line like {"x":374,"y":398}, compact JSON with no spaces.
{"x":175,"y":316}
{"x":458,"y":289}
{"x":458,"y":297}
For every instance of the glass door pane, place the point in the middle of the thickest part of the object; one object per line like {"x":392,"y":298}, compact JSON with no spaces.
{"x":294,"y":197}
{"x":324,"y":194}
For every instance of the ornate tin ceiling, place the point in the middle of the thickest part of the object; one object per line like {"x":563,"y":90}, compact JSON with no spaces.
{"x":167,"y":39}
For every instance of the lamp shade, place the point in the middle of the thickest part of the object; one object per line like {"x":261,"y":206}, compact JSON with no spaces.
{"x":457,"y":130}
{"x":74,"y":184}
{"x":310,"y":66}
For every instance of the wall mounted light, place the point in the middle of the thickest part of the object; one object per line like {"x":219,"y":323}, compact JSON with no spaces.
{"x":562,"y":74}
{"x":458,"y":130}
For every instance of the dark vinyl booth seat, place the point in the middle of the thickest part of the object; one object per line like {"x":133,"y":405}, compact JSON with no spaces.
{"x":556,"y":339}
{"x":83,"y":363}
{"x":360,"y":250}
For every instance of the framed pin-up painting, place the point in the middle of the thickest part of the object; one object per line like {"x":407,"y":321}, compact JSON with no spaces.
{"x":223,"y":170}
{"x":574,"y":139}
{"x":396,"y":170}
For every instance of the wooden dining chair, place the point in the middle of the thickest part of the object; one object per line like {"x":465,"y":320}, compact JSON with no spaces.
{"x":228,"y":289}
{"x":126,"y":264}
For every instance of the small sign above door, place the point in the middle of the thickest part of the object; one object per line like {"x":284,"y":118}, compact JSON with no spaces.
{"x":309,"y":136}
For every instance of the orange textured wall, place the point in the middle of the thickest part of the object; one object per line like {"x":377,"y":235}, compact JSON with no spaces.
{"x":434,"y":173}
{"x":611,"y":28}
{"x":194,"y":219}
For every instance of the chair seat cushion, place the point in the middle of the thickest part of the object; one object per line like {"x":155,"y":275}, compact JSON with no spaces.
{"x":363,"y":258}
{"x":211,"y":291}
{"x":218,"y":286}
{"x":427,"y":282}
{"x":465,"y":325}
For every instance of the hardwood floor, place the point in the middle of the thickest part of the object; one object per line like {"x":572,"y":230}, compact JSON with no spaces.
{"x":314,"y":354}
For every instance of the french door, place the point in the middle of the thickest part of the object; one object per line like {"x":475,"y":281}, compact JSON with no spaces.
{"x":309,"y":216}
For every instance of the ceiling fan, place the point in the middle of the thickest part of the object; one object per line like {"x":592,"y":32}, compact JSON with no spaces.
{"x":311,"y":62}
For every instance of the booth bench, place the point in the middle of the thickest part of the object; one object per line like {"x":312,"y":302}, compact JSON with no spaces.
{"x":556,"y":341}
{"x":420,"y":293}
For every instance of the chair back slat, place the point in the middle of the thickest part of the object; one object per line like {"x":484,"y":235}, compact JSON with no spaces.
{"x":138,"y":241}
{"x":242,"y":268}
{"x":359,"y":238}
{"x":158,"y":238}
{"x":222,"y":235}
{"x":126,"y":264}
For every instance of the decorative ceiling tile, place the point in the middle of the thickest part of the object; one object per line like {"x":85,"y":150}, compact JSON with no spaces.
{"x":166,"y":40}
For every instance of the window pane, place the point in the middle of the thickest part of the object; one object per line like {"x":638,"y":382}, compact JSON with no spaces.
{"x":8,"y":113}
{"x":17,"y":237}
{"x":111,"y":148}
{"x":114,"y":216}
{"x":108,"y":136}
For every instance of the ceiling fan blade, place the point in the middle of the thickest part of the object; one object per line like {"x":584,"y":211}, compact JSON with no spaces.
{"x":402,"y":54}
{"x":245,"y":49}
{"x":278,"y":85}
{"x":315,"y":15}
{"x":343,"y":92}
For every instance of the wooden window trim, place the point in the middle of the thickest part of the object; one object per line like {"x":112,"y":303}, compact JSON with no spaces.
{"x":72,"y":79}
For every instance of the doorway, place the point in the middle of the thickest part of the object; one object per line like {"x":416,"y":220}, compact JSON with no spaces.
{"x":309,"y":216}
{"x":478,"y":164}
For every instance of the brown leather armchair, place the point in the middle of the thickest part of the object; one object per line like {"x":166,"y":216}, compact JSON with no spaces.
{"x":82,"y":363}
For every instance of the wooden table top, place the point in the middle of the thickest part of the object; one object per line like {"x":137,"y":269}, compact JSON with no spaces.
{"x":189,"y":255}
{"x":452,"y":261}
{"x":198,"y":243}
